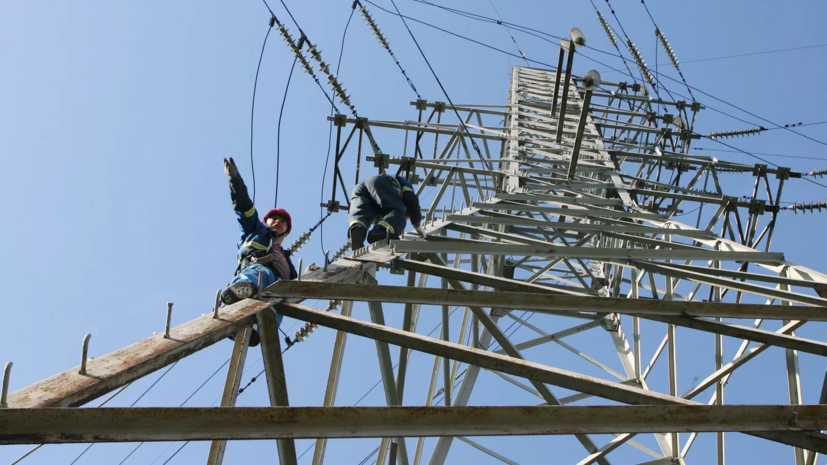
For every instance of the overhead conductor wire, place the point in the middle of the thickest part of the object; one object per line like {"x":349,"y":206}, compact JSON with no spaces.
{"x":330,"y":129}
{"x":253,"y":109}
{"x":444,"y":92}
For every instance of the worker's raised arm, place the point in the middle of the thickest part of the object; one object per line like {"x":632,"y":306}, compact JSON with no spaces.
{"x":243,"y":206}
{"x":411,"y":201}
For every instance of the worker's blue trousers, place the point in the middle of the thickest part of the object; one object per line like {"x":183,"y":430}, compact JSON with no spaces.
{"x":377,"y":199}
{"x":250,"y":273}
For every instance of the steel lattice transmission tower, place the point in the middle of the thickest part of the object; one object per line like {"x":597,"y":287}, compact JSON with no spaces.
{"x":570,"y":211}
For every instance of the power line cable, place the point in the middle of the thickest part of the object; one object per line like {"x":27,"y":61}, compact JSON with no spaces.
{"x":509,"y":32}
{"x":278,"y":131}
{"x":444,"y":92}
{"x":182,"y":404}
{"x":131,"y":405}
{"x":667,"y":48}
{"x":754,"y":53}
{"x":253,"y":109}
{"x":761,"y":153}
{"x":552,"y":67}
{"x":330,"y":128}
{"x":384,"y":42}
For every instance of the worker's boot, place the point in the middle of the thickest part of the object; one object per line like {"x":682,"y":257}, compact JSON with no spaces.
{"x":357,"y":236}
{"x":379,"y":233}
{"x":238,"y":292}
{"x":255,"y":339}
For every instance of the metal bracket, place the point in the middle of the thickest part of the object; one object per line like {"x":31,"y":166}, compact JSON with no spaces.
{"x":332,"y":206}
{"x":380,"y":160}
{"x":85,"y":352}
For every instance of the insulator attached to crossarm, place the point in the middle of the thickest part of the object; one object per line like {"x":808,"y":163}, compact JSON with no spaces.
{"x":376,"y":31}
{"x":308,"y":328}
{"x":805,"y":207}
{"x":736,"y":133}
{"x":668,"y":48}
{"x":816,"y":173}
{"x":606,"y":28}
{"x":641,"y":63}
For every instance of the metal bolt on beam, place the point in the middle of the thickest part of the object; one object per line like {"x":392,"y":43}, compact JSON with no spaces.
{"x":169,"y":320}
{"x":217,"y":304}
{"x":85,"y":352}
{"x":258,"y":296}
{"x":5,"y":393}
{"x":299,"y":277}
{"x":326,"y":259}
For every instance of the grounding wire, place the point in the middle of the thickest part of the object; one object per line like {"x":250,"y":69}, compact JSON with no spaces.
{"x":278,"y":130}
{"x":330,"y":130}
{"x":253,"y":109}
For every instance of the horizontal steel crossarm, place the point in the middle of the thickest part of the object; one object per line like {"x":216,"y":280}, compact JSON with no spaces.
{"x":665,"y":269}
{"x":525,"y":369}
{"x":561,"y":199}
{"x":598,"y":253}
{"x":547,"y":301}
{"x":67,"y":425}
{"x":747,"y":275}
{"x":612,"y":227}
{"x":751,"y":334}
{"x":108,"y":372}
{"x":426,"y":127}
{"x":590,"y":211}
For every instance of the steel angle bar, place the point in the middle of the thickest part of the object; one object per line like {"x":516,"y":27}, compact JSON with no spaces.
{"x":599,"y":253}
{"x":526,"y":369}
{"x":276,"y":381}
{"x":69,"y":425}
{"x":487,"y":451}
{"x":231,"y":386}
{"x":666,"y":269}
{"x":743,"y":357}
{"x":607,"y":227}
{"x":560,"y":199}
{"x":333,"y":381}
{"x":587,"y":211}
{"x":70,"y":389}
{"x":751,"y":334}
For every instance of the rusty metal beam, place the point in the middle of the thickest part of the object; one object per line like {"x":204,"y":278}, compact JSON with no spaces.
{"x":541,"y":301}
{"x":522,"y":368}
{"x":106,"y":373}
{"x":68,"y":425}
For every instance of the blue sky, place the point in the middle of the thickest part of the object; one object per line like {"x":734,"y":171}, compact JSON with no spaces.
{"x":114,"y":117}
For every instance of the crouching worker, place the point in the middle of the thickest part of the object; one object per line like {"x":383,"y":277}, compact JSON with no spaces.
{"x":259,"y":250}
{"x":386,"y":200}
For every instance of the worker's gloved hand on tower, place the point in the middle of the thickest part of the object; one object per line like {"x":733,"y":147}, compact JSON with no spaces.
{"x":230,"y":169}
{"x":421,"y":231}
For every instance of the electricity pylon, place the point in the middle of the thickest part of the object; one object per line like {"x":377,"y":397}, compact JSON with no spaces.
{"x":569,"y":208}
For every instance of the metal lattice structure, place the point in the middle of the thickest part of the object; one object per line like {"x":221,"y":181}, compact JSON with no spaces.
{"x":572,"y":213}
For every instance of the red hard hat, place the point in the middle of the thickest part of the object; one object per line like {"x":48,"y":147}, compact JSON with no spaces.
{"x":283,"y":214}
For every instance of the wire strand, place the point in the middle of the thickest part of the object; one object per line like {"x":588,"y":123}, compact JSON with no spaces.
{"x":278,"y":131}
{"x":253,"y":109}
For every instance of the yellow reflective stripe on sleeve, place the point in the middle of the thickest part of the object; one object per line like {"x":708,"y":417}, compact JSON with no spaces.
{"x":406,"y":188}
{"x":254,"y":245}
{"x":387,"y":226}
{"x":359,"y":223}
{"x":250,"y":212}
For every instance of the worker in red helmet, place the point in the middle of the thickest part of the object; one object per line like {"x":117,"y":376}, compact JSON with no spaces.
{"x":259,"y":249}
